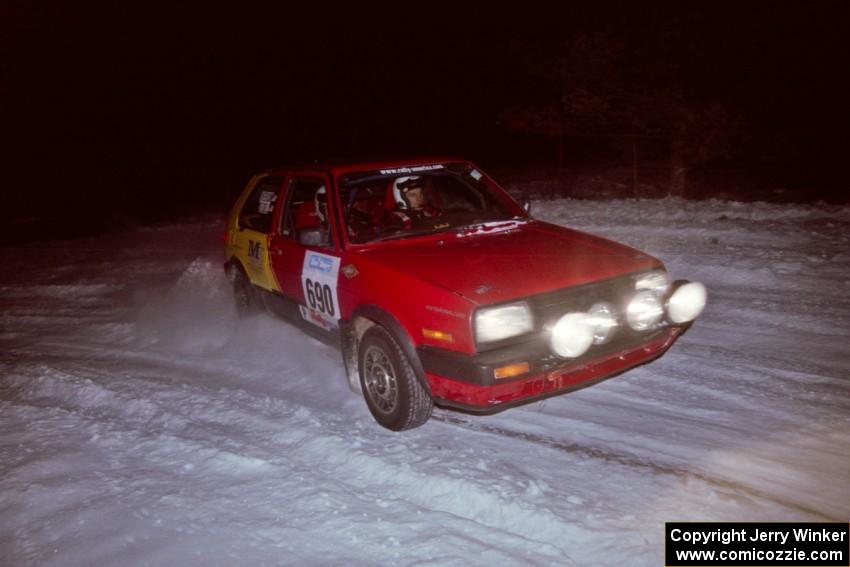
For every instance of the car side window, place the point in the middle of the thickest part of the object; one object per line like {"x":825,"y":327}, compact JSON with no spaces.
{"x":305,"y":214}
{"x":256,"y":213}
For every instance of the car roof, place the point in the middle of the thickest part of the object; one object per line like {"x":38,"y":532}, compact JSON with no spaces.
{"x":349,"y":166}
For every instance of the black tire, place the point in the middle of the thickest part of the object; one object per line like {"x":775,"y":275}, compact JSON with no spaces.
{"x":394,"y":395}
{"x":243,"y":294}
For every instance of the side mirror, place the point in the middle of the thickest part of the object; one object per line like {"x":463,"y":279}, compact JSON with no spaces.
{"x":526,"y":206}
{"x":310,"y":237}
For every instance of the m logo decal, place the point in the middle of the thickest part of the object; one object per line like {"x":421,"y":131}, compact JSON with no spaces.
{"x":254,"y":249}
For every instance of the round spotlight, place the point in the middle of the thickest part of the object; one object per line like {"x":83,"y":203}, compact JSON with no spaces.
{"x":644,"y":310}
{"x":572,"y":335}
{"x":686,"y":303}
{"x":656,"y":280}
{"x":601,"y":318}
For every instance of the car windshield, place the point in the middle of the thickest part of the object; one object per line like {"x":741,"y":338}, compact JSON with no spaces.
{"x":395,"y":203}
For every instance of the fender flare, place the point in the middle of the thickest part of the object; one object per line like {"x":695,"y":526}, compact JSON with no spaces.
{"x":399,"y":333}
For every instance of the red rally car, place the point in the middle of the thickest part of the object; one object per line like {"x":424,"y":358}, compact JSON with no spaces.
{"x":441,"y":289}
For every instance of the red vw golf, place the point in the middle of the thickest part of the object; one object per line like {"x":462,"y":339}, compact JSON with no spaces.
{"x":441,"y":289}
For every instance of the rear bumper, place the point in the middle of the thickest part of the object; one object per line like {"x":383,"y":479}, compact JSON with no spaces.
{"x":478,"y":392}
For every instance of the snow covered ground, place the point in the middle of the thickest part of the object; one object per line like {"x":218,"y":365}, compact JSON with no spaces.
{"x":142,"y":423}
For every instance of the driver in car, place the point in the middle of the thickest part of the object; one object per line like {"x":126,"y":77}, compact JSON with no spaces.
{"x":412,"y":206}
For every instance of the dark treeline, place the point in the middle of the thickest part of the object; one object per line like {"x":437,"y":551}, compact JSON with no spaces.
{"x":158,"y":113}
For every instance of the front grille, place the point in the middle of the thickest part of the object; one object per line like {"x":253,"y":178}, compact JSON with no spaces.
{"x":550,"y":306}
{"x":617,"y":292}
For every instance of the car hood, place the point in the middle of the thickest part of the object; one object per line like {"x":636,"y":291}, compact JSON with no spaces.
{"x":492,"y":266}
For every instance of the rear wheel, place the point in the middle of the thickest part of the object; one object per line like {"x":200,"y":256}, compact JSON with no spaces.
{"x":243,"y":294}
{"x":393,"y":393}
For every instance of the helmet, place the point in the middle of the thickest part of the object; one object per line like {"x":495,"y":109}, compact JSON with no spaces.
{"x":400,"y":188}
{"x":321,"y":202}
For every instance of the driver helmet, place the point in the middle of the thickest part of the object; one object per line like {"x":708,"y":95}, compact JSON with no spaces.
{"x":400,"y":188}
{"x":321,"y":204}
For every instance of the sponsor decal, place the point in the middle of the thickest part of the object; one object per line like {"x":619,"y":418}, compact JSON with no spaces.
{"x":321,"y":263}
{"x":313,"y":316}
{"x":254,"y":249}
{"x":267,"y":199}
{"x":350,"y":271}
{"x":444,"y":311}
{"x":413,"y":169}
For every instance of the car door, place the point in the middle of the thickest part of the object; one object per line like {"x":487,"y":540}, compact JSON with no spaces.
{"x":250,"y":237}
{"x":305,"y":249}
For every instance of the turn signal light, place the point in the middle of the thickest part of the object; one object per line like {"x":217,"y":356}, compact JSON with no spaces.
{"x":511,"y":370}
{"x":437,"y":335}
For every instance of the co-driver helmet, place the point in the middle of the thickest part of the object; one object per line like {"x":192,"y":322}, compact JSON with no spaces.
{"x":321,"y":203}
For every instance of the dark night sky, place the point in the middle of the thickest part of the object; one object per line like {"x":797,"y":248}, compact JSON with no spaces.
{"x":159,"y":102}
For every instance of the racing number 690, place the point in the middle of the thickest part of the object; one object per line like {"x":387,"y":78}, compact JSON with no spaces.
{"x":320,"y":296}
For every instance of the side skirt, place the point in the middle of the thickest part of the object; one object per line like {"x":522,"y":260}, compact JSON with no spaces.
{"x":287,"y":309}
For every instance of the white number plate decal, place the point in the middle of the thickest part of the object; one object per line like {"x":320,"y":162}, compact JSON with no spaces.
{"x":319,"y":276}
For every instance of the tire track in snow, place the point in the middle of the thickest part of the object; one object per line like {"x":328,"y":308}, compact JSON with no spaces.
{"x":624,"y":459}
{"x":333,"y":431}
{"x":99,"y":408}
{"x":628,"y":461}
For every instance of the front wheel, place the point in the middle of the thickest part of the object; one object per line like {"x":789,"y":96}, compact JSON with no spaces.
{"x":392,"y":391}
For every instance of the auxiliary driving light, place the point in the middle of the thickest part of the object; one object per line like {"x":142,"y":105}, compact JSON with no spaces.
{"x":601,"y":318}
{"x":572,"y":335}
{"x":686,"y":303}
{"x":656,"y":280}
{"x":644,"y":310}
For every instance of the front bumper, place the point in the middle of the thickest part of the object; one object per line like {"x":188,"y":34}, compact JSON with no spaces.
{"x":466,"y":382}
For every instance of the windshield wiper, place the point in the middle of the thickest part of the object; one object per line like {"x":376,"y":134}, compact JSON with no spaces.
{"x":398,"y":234}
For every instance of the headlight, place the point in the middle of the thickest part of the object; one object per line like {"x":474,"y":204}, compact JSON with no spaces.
{"x":497,"y":323}
{"x":644,"y":310}
{"x":657,"y":281}
{"x":572,"y":335}
{"x":686,"y":303}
